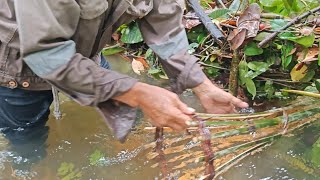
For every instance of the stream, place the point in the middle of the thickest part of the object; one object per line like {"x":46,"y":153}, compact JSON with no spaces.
{"x":80,"y":146}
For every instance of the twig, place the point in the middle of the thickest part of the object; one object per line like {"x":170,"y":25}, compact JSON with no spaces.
{"x":159,"y":146}
{"x":304,"y":93}
{"x":233,"y":77}
{"x":208,"y":65}
{"x":293,"y":21}
{"x":210,"y":26}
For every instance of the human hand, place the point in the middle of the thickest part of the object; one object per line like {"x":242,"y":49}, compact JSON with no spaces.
{"x":215,"y":100}
{"x":162,"y":107}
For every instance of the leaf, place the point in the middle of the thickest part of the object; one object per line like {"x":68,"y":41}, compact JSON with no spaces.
{"x":251,"y":49}
{"x":276,"y":24}
{"x":137,"y":66}
{"x":235,"y":5}
{"x":131,"y":34}
{"x":261,"y":36}
{"x":308,"y":77}
{"x":306,"y":41}
{"x":238,"y":38}
{"x":192,"y":48}
{"x":218,"y":13}
{"x":251,"y":87}
{"x":298,"y":72}
{"x":243,"y":70}
{"x":317,"y":83}
{"x":308,"y":55}
{"x":111,"y":51}
{"x":286,"y":58}
{"x":271,"y":3}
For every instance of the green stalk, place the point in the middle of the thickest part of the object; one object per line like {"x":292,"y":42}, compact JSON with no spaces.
{"x":304,"y":93}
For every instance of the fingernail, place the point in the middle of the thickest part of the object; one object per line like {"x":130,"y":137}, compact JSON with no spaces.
{"x":188,"y":123}
{"x":191,"y":110}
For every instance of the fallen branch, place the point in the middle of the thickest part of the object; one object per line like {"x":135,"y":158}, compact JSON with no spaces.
{"x":213,"y":29}
{"x":293,"y":21}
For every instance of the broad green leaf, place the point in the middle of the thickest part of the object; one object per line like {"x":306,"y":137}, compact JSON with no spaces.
{"x":154,"y":71}
{"x":308,"y":77}
{"x":131,"y":34}
{"x":306,"y":41}
{"x":286,"y":57}
{"x":243,"y":70}
{"x":251,"y":49}
{"x":251,"y":87}
{"x":111,"y":51}
{"x":261,"y":36}
{"x":277,"y":23}
{"x":258,"y":66}
{"x":298,"y":72}
{"x":291,"y":5}
{"x":271,"y":3}
{"x":218,"y":13}
{"x":235,"y":5}
{"x":201,"y":38}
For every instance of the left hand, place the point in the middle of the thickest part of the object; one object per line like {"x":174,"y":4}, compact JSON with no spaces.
{"x":215,"y":100}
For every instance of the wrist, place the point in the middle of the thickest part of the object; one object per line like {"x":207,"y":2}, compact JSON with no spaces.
{"x":132,"y":96}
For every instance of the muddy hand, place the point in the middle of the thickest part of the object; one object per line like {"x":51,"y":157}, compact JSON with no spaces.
{"x":216,"y":100}
{"x":162,"y":107}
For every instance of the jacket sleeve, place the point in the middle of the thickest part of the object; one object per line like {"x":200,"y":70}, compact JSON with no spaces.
{"x":164,"y":32}
{"x":45,"y":29}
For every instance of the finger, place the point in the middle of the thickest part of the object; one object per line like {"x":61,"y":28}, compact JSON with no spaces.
{"x":238,"y":103}
{"x":180,"y":118}
{"x":185,"y":109}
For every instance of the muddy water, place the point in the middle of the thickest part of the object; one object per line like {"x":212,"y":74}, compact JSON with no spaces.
{"x":80,"y":146}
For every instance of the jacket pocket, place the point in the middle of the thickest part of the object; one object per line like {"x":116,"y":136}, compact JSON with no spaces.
{"x":140,"y":8}
{"x":91,"y":9}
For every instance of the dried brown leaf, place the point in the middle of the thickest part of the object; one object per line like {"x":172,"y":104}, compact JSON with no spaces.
{"x":137,"y":66}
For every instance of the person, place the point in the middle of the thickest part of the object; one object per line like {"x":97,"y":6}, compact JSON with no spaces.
{"x":58,"y":43}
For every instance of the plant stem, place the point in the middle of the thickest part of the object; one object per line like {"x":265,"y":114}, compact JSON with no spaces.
{"x":233,"y":78}
{"x":293,"y":21}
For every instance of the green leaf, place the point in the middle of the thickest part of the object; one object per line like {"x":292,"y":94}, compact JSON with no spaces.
{"x":317,"y":83}
{"x":111,"y":51}
{"x":306,"y":41}
{"x":192,"y":48}
{"x":271,"y":3}
{"x":154,"y":71}
{"x":251,"y":87}
{"x":234,"y":6}
{"x":308,"y":77}
{"x":243,"y":70}
{"x":286,"y":57}
{"x":277,"y":23}
{"x":218,"y":13}
{"x":131,"y":34}
{"x":252,"y":49}
{"x":261,"y":36}
{"x":291,"y":5}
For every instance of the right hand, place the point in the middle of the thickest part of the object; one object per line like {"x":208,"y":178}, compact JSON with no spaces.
{"x":163,"y":107}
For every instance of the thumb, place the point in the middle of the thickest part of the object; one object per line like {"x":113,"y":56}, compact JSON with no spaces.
{"x":185,"y":109}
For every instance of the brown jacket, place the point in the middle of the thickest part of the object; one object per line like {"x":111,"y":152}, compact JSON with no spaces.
{"x":56,"y":42}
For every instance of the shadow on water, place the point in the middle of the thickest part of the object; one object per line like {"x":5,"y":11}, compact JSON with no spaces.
{"x":80,"y":146}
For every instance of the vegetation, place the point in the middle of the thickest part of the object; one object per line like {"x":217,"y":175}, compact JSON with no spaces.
{"x":290,"y":61}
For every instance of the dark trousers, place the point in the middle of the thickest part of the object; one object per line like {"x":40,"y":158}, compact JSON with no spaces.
{"x":23,"y":117}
